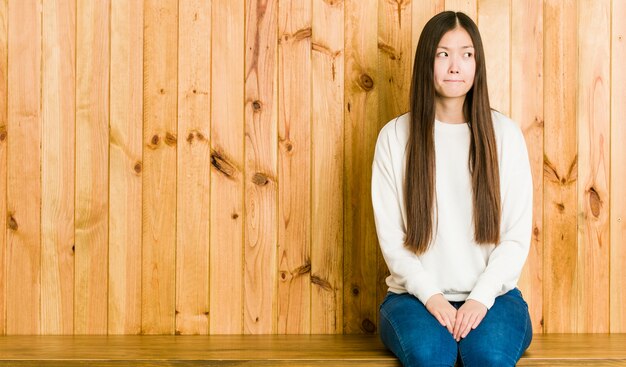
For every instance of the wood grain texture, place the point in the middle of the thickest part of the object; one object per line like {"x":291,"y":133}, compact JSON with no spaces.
{"x":194,"y":154}
{"x":361,"y":128}
{"x":276,"y":350}
{"x":527,"y":110}
{"x":294,"y":166}
{"x":594,"y":165}
{"x":560,"y":172}
{"x":260,"y":273}
{"x":92,"y":173}
{"x":160,"y":136}
{"x":327,"y":223}
{"x":618,"y":171}
{"x":494,"y":23}
{"x":395,"y":59}
{"x":57,"y":164}
{"x":125,"y":167}
{"x":421,"y":12}
{"x":227,"y":162}
{"x":4,"y":50}
{"x":23,"y":253}
{"x":469,"y":7}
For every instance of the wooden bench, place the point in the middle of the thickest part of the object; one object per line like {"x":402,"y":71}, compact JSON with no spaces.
{"x":275,"y":350}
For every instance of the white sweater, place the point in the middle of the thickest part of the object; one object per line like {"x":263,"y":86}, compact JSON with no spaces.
{"x":454,"y":265}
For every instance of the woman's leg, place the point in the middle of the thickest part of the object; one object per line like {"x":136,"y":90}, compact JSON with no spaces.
{"x":502,"y":336}
{"x":413,"y":334}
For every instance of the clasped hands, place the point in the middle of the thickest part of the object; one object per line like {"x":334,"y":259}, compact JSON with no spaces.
{"x":458,"y":322}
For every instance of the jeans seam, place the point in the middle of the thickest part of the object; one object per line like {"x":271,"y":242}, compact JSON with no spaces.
{"x":393,"y":326}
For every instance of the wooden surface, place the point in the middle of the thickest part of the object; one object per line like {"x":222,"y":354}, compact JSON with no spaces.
{"x":618,"y":171}
{"x":92,"y":157}
{"x":560,"y":172}
{"x":58,"y":163}
{"x":23,"y":216}
{"x":593,"y":166}
{"x":193,"y":156}
{"x":245,"y":207}
{"x":327,"y":176}
{"x":160,"y":136}
{"x":126,"y":167}
{"x":294,"y":167}
{"x":3,"y":159}
{"x":361,"y":127}
{"x":260,"y":175}
{"x":227,"y":165}
{"x":292,"y":350}
{"x":527,"y":110}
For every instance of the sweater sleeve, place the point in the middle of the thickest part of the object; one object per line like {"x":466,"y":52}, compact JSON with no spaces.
{"x":506,"y":261}
{"x":404,"y":265}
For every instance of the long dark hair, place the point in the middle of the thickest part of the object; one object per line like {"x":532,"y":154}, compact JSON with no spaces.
{"x":420,"y":165}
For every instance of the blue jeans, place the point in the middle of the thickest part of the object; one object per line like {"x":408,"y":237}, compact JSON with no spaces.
{"x":418,"y":339}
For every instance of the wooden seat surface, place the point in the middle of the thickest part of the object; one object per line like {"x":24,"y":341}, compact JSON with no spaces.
{"x":275,"y":350}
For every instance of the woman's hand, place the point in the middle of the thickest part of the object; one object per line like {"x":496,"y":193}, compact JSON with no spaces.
{"x":443,"y":311}
{"x":468,"y":317}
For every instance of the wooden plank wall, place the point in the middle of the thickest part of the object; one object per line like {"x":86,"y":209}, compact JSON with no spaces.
{"x":203,"y":167}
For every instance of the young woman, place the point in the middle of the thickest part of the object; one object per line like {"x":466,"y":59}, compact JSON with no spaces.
{"x":452,"y":197}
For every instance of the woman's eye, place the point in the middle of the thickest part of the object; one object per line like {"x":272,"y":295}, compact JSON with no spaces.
{"x":442,"y":54}
{"x":468,"y":54}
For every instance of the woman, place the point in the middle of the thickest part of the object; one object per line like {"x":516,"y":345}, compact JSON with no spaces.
{"x":452,"y":197}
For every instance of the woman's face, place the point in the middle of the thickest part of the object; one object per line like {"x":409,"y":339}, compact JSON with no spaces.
{"x":455,"y":64}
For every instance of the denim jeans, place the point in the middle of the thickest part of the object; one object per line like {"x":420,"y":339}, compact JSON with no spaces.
{"x":418,"y":339}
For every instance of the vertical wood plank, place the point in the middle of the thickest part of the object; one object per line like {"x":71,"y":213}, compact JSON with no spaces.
{"x":294,"y":167}
{"x":361,"y":128}
{"x":469,"y":7}
{"x":494,"y":22}
{"x":159,"y":180}
{"x":57,"y":204}
{"x":4,"y":50}
{"x":527,"y":110}
{"x":421,"y":13}
{"x":227,"y":136}
{"x":327,"y":160}
{"x":23,"y":257}
{"x":92,"y":163}
{"x":560,"y":172}
{"x":260,"y":167}
{"x":395,"y":58}
{"x":194,"y":88}
{"x":125,"y":167}
{"x":593,"y":147}
{"x":618,"y":170}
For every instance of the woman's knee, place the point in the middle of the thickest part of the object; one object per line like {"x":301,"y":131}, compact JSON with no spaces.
{"x":490,"y":359}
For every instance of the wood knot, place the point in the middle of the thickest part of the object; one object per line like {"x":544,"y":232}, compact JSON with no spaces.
{"x":321,"y":282}
{"x":536,"y":231}
{"x":170,"y":139}
{"x":368,"y":326}
{"x":137,"y":167}
{"x":221,"y":163}
{"x":283,"y":275}
{"x":155,"y":140}
{"x":195,"y":134}
{"x":12,"y":223}
{"x":3,"y":133}
{"x":560,"y":206}
{"x":260,"y":179}
{"x":594,"y":202}
{"x":256,"y":106}
{"x":355,"y":291}
{"x":73,"y":248}
{"x":162,"y":91}
{"x":234,"y":216}
{"x":366,"y":82}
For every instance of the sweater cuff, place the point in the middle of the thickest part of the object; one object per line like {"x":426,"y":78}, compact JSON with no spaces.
{"x":484,"y":294}
{"x":423,"y":292}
